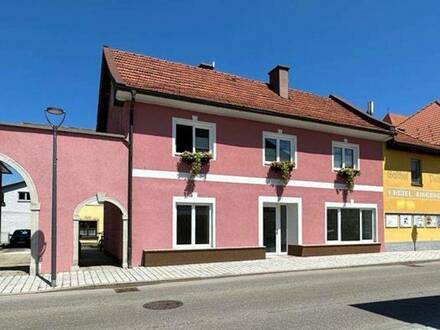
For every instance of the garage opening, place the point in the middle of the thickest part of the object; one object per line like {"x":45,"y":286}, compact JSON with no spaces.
{"x":15,"y":223}
{"x":99,"y":232}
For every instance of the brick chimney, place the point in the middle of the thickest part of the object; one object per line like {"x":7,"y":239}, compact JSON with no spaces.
{"x":279,"y":80}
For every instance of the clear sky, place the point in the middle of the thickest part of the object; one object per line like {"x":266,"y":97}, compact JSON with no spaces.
{"x":385,"y":51}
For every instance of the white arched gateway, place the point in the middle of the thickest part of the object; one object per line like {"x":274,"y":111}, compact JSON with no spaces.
{"x":99,"y":198}
{"x":35,"y":212}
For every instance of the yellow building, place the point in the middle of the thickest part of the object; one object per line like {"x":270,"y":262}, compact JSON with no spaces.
{"x":412,"y":182}
{"x":91,"y":225}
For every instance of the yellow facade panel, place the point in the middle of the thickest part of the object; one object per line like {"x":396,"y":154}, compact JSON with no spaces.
{"x":401,"y":197}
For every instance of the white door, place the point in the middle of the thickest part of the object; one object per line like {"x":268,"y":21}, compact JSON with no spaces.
{"x":275,"y":228}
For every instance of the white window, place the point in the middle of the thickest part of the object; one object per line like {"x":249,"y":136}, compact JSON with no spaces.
{"x":193,"y":136}
{"x":345,"y":155}
{"x":24,"y":196}
{"x":278,"y":147}
{"x":193,"y":224}
{"x":351,"y":224}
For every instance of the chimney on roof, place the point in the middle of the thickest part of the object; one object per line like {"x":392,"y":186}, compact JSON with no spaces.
{"x":370,"y":109}
{"x":207,"y":66}
{"x":279,"y":80}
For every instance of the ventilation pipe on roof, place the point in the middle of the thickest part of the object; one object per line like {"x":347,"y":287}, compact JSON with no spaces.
{"x":207,"y":66}
{"x":279,"y":80}
{"x":370,"y":109}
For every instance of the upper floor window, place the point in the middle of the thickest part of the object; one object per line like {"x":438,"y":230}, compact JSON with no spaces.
{"x":193,"y":136}
{"x":278,"y":147}
{"x":24,"y":196}
{"x":416,"y":172}
{"x":345,"y":155}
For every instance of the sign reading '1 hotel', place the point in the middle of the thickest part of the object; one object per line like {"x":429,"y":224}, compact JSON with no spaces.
{"x":419,"y":194}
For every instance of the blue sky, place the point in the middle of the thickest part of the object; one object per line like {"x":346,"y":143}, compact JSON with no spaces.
{"x":385,"y":51}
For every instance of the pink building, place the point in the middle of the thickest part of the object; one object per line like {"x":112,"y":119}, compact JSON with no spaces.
{"x":92,"y":167}
{"x":237,"y":208}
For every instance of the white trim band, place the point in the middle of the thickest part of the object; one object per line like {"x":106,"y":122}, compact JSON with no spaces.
{"x":173,"y":175}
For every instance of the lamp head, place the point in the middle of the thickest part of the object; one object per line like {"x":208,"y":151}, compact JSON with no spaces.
{"x":55,"y":111}
{"x":51,"y":113}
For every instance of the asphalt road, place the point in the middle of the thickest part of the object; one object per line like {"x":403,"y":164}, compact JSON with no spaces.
{"x":387,"y":297}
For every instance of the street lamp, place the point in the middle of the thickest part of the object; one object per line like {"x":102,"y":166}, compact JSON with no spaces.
{"x":3,"y":170}
{"x":55,"y":117}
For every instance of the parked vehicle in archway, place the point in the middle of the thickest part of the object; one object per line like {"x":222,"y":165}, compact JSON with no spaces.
{"x":20,"y":238}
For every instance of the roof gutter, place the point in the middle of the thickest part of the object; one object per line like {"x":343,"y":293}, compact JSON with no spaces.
{"x":393,"y":144}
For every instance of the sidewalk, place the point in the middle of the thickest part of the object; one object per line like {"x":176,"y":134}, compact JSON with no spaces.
{"x":94,"y":277}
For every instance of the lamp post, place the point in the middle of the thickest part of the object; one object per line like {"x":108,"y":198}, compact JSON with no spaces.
{"x":3,"y":170}
{"x":51,"y":113}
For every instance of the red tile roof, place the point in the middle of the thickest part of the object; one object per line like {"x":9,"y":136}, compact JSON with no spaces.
{"x":422,"y":129}
{"x":424,"y":124}
{"x":394,"y":118}
{"x":148,"y":74}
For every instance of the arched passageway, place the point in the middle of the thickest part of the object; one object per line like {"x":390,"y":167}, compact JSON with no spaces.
{"x":114,"y":235}
{"x":36,"y":239}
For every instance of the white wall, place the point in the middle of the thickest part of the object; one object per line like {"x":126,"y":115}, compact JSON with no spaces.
{"x":15,"y":215}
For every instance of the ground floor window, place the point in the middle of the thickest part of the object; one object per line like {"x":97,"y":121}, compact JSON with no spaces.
{"x":350,"y":224}
{"x":87,"y":229}
{"x":193,"y":225}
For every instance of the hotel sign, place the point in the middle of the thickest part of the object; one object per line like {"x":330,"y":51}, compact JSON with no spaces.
{"x":413,"y":194}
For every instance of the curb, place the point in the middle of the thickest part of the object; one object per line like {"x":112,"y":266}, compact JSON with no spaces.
{"x":199,"y":278}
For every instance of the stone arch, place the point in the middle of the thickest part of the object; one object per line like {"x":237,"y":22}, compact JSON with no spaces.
{"x":99,"y":198}
{"x":35,"y":212}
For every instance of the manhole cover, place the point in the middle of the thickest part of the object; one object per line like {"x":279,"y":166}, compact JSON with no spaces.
{"x":163,"y":304}
{"x":122,"y":290}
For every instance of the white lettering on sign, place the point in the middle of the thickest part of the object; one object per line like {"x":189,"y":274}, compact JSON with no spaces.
{"x":416,"y":194}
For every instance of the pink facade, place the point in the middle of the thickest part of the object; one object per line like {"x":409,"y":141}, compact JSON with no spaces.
{"x":239,"y":153}
{"x":87,"y":164}
{"x":91,"y":164}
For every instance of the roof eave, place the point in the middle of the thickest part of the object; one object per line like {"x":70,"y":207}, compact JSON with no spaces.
{"x":358,"y":111}
{"x":126,"y":88}
{"x":404,"y":146}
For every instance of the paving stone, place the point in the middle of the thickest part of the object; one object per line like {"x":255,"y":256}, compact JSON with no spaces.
{"x":96,"y":276}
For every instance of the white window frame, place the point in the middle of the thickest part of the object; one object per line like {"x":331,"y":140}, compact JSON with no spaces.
{"x":346,"y":145}
{"x":360,"y":207}
{"x":194,"y":201}
{"x":195,"y":123}
{"x":278,"y":137}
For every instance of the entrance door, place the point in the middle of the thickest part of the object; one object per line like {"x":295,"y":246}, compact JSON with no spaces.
{"x":275,"y":228}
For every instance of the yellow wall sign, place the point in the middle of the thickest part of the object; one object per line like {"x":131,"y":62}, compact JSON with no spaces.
{"x":407,"y":193}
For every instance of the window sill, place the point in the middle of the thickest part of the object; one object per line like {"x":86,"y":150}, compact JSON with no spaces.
{"x":267,"y":164}
{"x":336,"y":170}
{"x":193,"y":247}
{"x":211,"y":160}
{"x":350,"y":242}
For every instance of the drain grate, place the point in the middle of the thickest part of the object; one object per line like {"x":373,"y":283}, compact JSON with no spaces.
{"x":123,"y":290}
{"x":163,"y":304}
